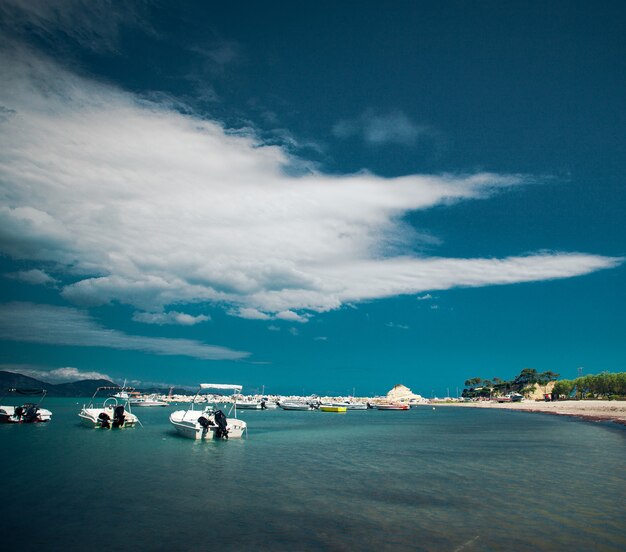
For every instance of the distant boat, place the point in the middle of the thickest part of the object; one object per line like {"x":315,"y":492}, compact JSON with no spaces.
{"x":392,"y":406}
{"x":210,"y":423}
{"x":148,"y":400}
{"x":348,"y":405}
{"x":27,"y":413}
{"x":332,"y":408}
{"x":294,"y":405}
{"x":113,"y":413}
{"x":249,"y":405}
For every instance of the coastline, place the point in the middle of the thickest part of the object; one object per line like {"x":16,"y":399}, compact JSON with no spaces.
{"x":590,"y":410}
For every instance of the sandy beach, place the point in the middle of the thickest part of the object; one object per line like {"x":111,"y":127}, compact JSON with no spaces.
{"x":592,"y":410}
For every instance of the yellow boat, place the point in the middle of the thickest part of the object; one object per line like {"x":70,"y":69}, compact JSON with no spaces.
{"x":329,"y":408}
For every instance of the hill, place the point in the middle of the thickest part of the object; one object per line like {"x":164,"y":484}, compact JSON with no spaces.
{"x":81,"y":388}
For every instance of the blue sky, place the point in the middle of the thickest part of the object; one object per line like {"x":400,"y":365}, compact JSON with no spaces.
{"x":313,"y":197}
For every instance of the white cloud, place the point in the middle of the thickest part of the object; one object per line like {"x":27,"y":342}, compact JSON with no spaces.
{"x":426,"y":297}
{"x":33,"y":276}
{"x":142,"y":205}
{"x":377,"y":129}
{"x":291,"y":317}
{"x":57,"y":375}
{"x":250,"y":314}
{"x":32,"y":323}
{"x":171,"y":317}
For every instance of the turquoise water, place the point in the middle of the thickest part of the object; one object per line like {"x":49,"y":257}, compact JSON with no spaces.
{"x":449,"y":479}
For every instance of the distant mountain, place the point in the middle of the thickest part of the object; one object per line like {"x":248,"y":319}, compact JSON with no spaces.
{"x":81,"y":388}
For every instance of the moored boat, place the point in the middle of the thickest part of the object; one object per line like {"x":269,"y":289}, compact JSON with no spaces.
{"x":27,"y":413}
{"x":114,"y":412}
{"x":146,"y":400}
{"x":392,"y":406}
{"x":332,"y":408}
{"x":294,"y":405}
{"x":211,"y":422}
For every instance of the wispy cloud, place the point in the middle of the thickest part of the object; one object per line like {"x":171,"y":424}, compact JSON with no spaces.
{"x":52,"y":325}
{"x":381,"y":128}
{"x":142,"y":205}
{"x":426,"y":297}
{"x":93,"y":24}
{"x":171,"y":317}
{"x":56,"y":375}
{"x":33,"y":276}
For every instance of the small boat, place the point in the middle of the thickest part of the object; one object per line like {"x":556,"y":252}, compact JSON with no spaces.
{"x":210,"y":423}
{"x":348,"y":405}
{"x":392,"y":406}
{"x":27,"y":413}
{"x":249,"y":405}
{"x":147,"y":400}
{"x":294,"y":405}
{"x":113,"y":413}
{"x":332,"y":408}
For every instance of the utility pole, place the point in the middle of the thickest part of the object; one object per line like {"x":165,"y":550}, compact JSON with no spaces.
{"x":580,"y":371}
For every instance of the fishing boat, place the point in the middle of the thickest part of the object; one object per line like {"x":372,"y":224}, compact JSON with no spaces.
{"x":332,"y":408}
{"x":114,"y":412}
{"x":392,"y":406}
{"x":27,"y":413}
{"x":211,"y":422}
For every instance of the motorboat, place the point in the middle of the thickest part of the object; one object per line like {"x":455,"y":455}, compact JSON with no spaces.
{"x":254,"y":404}
{"x":348,"y":405}
{"x":392,"y":406}
{"x":294,"y":405}
{"x":27,"y":413}
{"x":146,"y":400}
{"x":211,"y":422}
{"x":332,"y":408}
{"x":114,"y":412}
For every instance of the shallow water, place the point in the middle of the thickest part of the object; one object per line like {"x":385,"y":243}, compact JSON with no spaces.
{"x":446,"y":479}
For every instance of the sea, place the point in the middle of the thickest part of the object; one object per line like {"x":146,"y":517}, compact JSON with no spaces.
{"x":432,"y":479}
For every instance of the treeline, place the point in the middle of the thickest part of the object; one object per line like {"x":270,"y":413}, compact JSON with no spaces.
{"x":523,"y":383}
{"x":605,"y":385}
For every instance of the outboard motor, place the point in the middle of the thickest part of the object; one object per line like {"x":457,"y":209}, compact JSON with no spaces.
{"x":263,"y":407}
{"x":32,"y":413}
{"x":220,"y":419}
{"x":118,"y":416}
{"x":18,"y":412}
{"x":104,"y":420}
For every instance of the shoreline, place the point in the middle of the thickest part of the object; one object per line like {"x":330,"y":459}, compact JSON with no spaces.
{"x":589,"y":410}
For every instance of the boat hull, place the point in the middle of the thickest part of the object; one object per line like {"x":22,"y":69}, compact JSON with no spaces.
{"x":392,"y":407}
{"x":187,"y":425}
{"x":8,"y":416}
{"x":89,"y":417}
{"x":330,"y":408}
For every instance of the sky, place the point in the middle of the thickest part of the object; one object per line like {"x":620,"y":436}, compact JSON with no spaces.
{"x":312,"y":197}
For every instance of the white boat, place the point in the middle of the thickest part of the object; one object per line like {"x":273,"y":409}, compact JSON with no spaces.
{"x":210,"y":423}
{"x":348,"y":405}
{"x":147,"y":400}
{"x":392,"y":406}
{"x":254,"y":404}
{"x":113,"y":413}
{"x":249,"y":405}
{"x":294,"y":405}
{"x":27,"y":413}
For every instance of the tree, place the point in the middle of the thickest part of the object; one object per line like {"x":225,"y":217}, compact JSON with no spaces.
{"x":527,"y":377}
